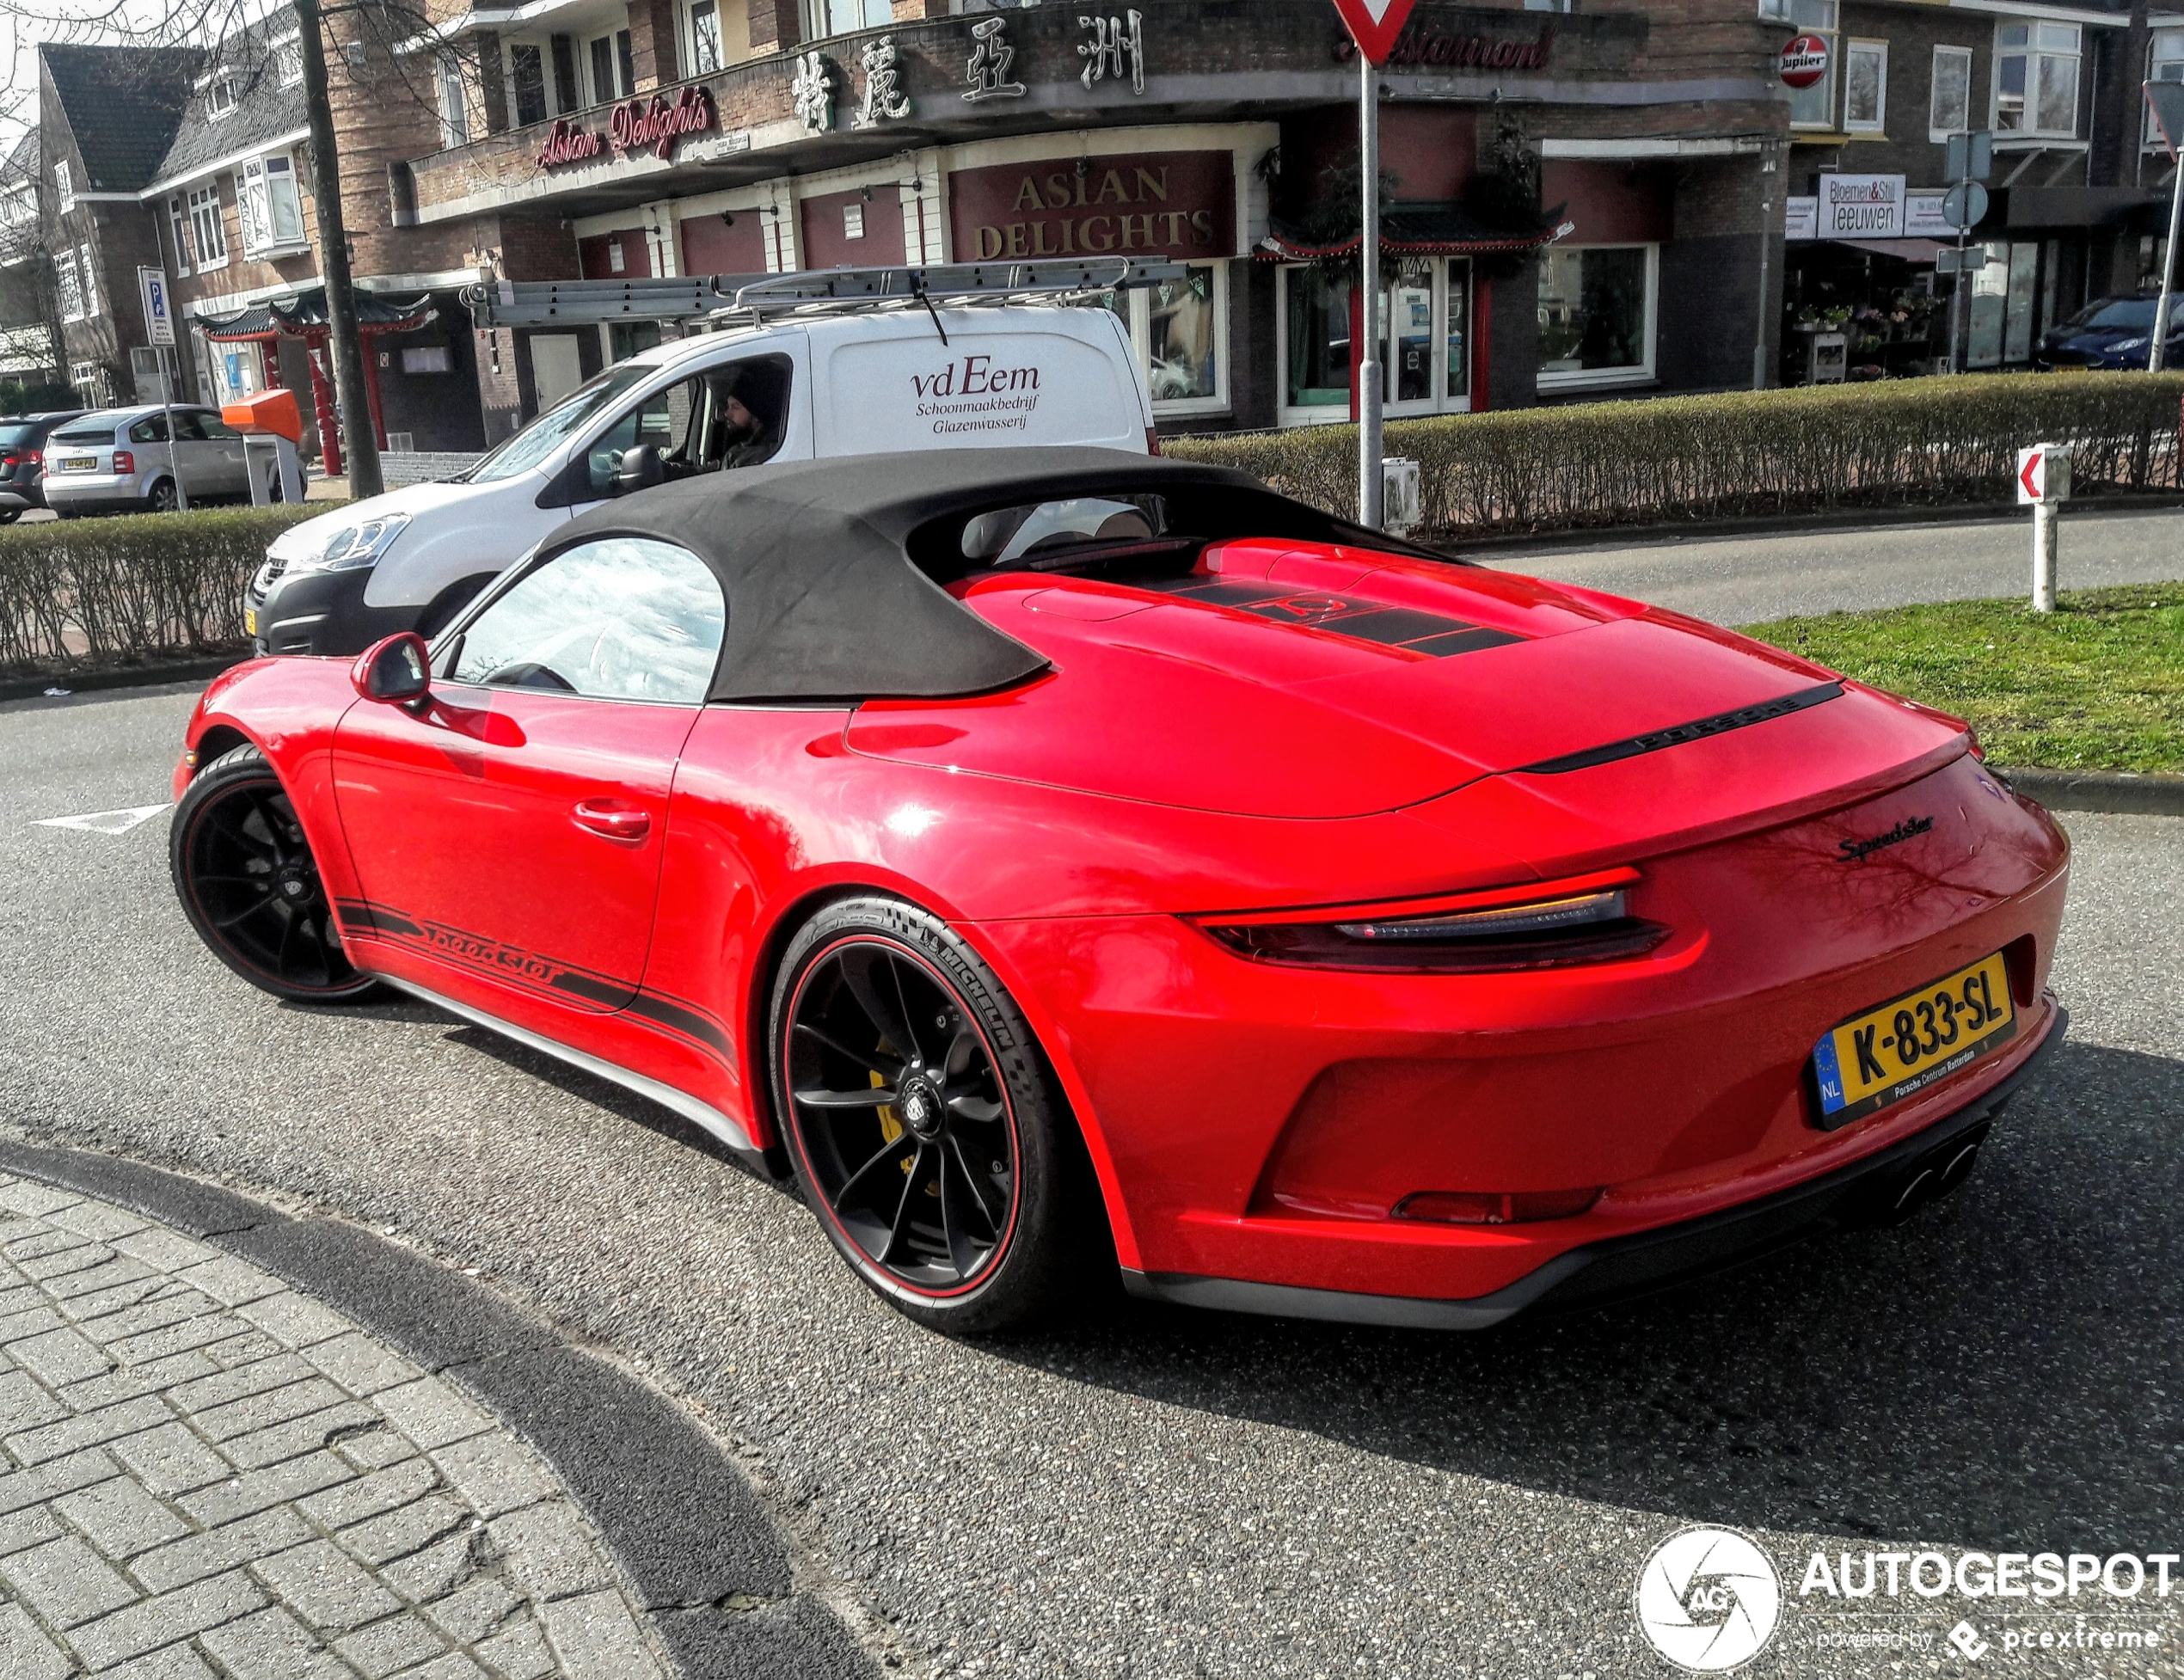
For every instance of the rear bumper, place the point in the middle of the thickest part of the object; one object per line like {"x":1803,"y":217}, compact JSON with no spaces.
{"x":1866,"y":1191}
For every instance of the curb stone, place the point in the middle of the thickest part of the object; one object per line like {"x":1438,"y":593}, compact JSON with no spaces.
{"x":125,"y":677}
{"x":2113,"y":791}
{"x":704,"y":1558}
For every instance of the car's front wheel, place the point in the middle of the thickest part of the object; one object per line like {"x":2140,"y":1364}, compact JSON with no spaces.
{"x":924,"y":1128}
{"x":250,"y":886}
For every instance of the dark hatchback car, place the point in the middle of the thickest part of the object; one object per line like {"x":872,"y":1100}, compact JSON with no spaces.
{"x":22,"y":460}
{"x":2113,"y":333}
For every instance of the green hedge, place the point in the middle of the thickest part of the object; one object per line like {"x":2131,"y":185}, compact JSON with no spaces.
{"x":85,"y":594}
{"x":1747,"y":452}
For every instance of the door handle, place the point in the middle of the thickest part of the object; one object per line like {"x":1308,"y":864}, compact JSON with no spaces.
{"x":613,"y":818}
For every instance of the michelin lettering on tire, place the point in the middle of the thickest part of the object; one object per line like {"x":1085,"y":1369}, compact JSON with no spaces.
{"x":1708,"y":1600}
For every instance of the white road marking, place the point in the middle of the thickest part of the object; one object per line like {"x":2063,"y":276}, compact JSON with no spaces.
{"x":106,"y":822}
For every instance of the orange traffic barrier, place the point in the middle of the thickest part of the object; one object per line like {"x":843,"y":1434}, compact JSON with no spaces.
{"x":272,"y":413}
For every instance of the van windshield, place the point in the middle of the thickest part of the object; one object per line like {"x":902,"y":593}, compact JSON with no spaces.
{"x":553,"y":428}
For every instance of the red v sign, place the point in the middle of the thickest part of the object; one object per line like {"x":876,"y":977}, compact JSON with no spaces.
{"x":1374,"y":25}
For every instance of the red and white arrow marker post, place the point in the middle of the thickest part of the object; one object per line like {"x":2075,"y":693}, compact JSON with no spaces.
{"x":1374,"y":25}
{"x":2043,"y":484}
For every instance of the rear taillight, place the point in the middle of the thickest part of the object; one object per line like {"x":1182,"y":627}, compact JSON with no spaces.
{"x":1544,"y":925}
{"x":124,"y":462}
{"x":10,"y":459}
{"x":1153,"y":440}
{"x":36,"y":457}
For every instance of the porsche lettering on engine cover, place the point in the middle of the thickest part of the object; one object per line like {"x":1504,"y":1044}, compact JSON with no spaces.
{"x":1041,"y":856}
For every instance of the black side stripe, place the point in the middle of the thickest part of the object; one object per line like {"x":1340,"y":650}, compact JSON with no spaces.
{"x":1408,"y":627}
{"x":1677,"y":734}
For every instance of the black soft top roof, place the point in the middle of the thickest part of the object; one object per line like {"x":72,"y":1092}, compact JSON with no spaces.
{"x":819,"y":559}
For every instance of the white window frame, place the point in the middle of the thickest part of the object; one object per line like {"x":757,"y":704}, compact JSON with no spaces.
{"x":818,"y":24}
{"x":64,"y":188}
{"x":67,"y":286}
{"x":90,"y":279}
{"x":88,"y":379}
{"x":257,"y":184}
{"x":1832,"y":33}
{"x":1138,"y":322}
{"x":451,"y":100}
{"x":613,"y":91}
{"x":219,"y":95}
{"x":206,"y":211}
{"x":1593,"y":378}
{"x":1938,"y":132}
{"x":689,"y":37}
{"x":178,"y":225}
{"x":288,"y":59}
{"x":2164,"y":63}
{"x":1289,"y":414}
{"x":2036,"y":52}
{"x":1878,"y":124}
{"x":1774,"y":11}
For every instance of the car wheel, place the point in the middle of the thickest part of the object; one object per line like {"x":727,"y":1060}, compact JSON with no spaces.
{"x":249,"y":886}
{"x":10,"y":515}
{"x":274,"y":494}
{"x":924,"y":1129}
{"x":162,"y":499}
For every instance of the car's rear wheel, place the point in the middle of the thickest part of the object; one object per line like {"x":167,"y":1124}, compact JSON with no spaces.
{"x":924,"y":1128}
{"x":249,"y":886}
{"x":162,"y":499}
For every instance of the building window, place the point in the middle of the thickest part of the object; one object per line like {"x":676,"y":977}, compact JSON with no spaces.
{"x":89,"y":381}
{"x":1179,"y":330}
{"x":209,"y":239}
{"x":1596,"y":313}
{"x":527,"y":80}
{"x":219,"y":95}
{"x":288,"y":61}
{"x":65,"y":187}
{"x":2036,"y":79}
{"x":1949,"y":99}
{"x":1815,"y":107}
{"x":454,"y":107}
{"x":2164,"y":63}
{"x":705,"y":37}
{"x":20,"y":207}
{"x":1865,"y":87}
{"x":69,"y":287}
{"x":90,"y":279}
{"x":613,"y":69}
{"x":840,"y":17}
{"x":567,"y":96}
{"x":178,"y":223}
{"x":268,"y":204}
{"x":1774,"y":11}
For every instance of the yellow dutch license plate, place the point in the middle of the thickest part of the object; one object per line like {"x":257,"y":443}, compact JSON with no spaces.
{"x":250,"y":621}
{"x":1913,"y":1042}
{"x":80,"y":463}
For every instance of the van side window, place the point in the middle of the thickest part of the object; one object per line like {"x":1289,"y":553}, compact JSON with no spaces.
{"x":734,"y":415}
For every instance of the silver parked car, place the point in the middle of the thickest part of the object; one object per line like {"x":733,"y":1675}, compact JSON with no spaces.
{"x":119,"y":460}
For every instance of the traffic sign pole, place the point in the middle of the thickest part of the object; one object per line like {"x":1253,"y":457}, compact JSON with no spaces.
{"x":2167,"y":101}
{"x":1372,"y":484}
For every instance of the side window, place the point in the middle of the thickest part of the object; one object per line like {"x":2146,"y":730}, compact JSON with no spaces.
{"x":152,"y":429}
{"x":620,"y":618}
{"x":191,"y":427}
{"x":731,"y":416}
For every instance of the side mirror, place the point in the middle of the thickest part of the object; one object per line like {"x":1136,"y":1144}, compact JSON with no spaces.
{"x":396,"y":671}
{"x":639,"y":468}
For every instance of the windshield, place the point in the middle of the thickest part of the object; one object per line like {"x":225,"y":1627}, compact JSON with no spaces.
{"x":2120,"y":314}
{"x":558,"y":424}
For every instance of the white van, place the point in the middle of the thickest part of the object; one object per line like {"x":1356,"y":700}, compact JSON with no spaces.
{"x":874,"y":382}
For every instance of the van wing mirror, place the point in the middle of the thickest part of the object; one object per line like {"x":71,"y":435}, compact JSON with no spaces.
{"x":639,"y":468}
{"x":397,"y":671}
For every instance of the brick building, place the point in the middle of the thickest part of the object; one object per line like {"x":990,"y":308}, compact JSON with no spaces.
{"x":1582,"y":201}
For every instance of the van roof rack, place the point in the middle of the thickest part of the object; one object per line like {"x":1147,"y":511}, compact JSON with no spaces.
{"x":812,"y":291}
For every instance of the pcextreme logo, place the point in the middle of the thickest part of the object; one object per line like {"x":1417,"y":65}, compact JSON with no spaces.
{"x":1709,"y":1599}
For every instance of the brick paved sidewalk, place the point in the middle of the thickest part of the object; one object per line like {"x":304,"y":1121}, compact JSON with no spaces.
{"x":208,"y":1474}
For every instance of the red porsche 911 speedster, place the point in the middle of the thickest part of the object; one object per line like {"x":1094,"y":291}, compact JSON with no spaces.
{"x":1054,"y":860}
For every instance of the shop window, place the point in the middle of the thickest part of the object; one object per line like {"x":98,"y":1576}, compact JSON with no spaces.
{"x":1815,"y":107}
{"x":626,"y":338}
{"x":208,"y":237}
{"x":454,"y":107}
{"x":2017,"y":310}
{"x":69,"y":285}
{"x":1948,"y":107}
{"x":2036,"y":79}
{"x":1315,"y":344}
{"x":268,"y":204}
{"x":2164,"y":63}
{"x":1990,"y":296}
{"x":426,"y":359}
{"x":840,"y":17}
{"x":705,"y":37}
{"x":1425,"y":347}
{"x":527,"y":83}
{"x":1596,"y":313}
{"x":1180,"y":329}
{"x":1865,"y":87}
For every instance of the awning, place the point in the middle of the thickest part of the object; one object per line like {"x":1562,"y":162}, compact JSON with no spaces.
{"x":1909,"y":251}
{"x":1412,"y":229}
{"x":302,"y":315}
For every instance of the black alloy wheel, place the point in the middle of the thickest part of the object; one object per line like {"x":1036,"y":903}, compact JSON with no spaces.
{"x":924,"y":1129}
{"x":244,"y":872}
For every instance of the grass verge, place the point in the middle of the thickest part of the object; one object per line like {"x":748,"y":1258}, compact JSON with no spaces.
{"x":2096,"y":685}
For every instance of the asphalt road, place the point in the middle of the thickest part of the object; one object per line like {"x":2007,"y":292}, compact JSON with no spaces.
{"x":1745,"y":580}
{"x":1164,"y":1494}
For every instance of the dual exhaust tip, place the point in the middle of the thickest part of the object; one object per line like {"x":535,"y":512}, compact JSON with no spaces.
{"x":1924,"y":1181}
